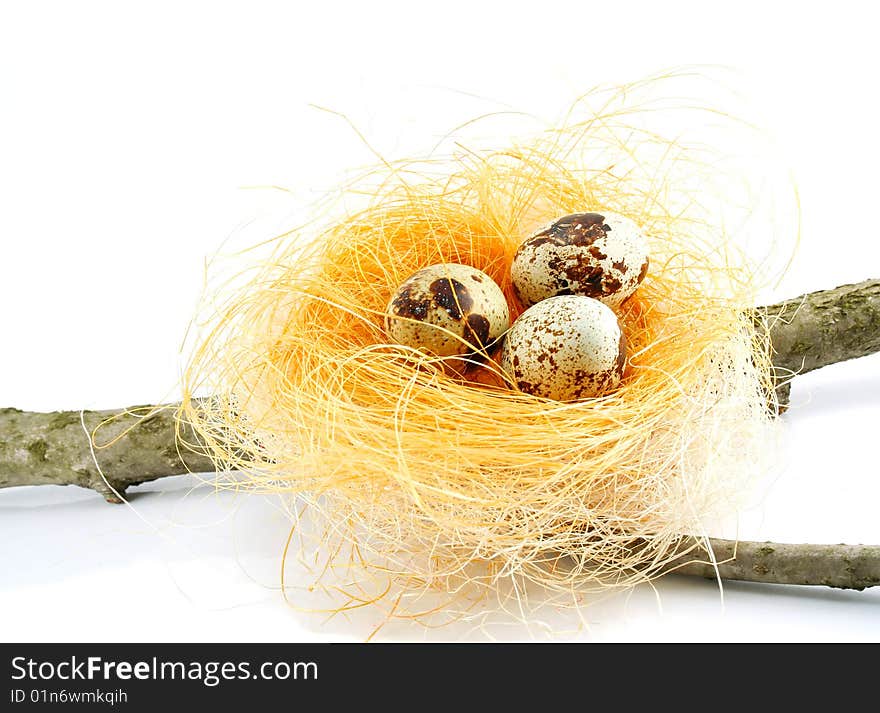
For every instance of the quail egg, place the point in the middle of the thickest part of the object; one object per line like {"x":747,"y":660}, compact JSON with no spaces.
{"x":600,"y":255}
{"x":447,"y":309}
{"x":565,"y":348}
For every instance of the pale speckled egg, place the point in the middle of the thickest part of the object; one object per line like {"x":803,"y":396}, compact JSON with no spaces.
{"x":599,"y":255}
{"x":565,"y":348}
{"x":447,"y":309}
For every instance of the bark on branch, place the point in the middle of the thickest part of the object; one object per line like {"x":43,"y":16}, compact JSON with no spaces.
{"x":840,"y":566}
{"x":825,"y":327}
{"x":822,"y":328}
{"x":53,"y":449}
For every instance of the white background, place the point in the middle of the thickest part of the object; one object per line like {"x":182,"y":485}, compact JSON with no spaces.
{"x":130,"y":137}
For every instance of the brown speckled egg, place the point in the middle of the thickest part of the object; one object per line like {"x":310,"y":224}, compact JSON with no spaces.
{"x":600,"y":255}
{"x":447,"y":309}
{"x":565,"y":348}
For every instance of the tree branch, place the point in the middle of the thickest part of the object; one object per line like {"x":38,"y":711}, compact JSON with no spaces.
{"x":53,"y":449}
{"x":840,"y":566}
{"x":806,"y":333}
{"x":822,"y":328}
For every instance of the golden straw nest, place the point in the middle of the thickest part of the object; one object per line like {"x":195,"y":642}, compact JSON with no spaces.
{"x":431,"y":479}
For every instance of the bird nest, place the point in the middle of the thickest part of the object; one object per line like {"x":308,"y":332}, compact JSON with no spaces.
{"x":431,"y":478}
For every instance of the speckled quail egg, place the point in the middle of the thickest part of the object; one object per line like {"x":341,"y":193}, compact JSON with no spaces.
{"x":447,"y":309}
{"x":565,"y":348}
{"x":600,"y":255}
